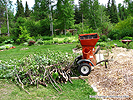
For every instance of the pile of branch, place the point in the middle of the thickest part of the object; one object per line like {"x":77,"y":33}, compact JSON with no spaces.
{"x":51,"y":74}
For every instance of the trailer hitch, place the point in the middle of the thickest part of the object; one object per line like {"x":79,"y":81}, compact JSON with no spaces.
{"x":107,"y":60}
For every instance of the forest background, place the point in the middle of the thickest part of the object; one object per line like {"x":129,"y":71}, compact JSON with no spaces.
{"x":49,"y":18}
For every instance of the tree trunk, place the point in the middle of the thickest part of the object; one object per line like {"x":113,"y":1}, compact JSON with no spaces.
{"x":0,"y":31}
{"x":65,"y":29}
{"x":7,"y":19}
{"x":82,"y":23}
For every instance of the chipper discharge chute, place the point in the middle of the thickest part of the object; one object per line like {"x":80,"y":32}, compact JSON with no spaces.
{"x":88,"y":59}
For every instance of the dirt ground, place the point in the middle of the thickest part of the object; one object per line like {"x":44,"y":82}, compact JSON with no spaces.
{"x":115,"y":82}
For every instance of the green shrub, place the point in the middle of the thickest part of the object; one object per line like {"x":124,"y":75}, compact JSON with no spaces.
{"x":102,"y":44}
{"x":89,"y":30}
{"x":40,"y":42}
{"x":25,"y":44}
{"x":48,"y":42}
{"x":114,"y":35}
{"x":9,"y":41}
{"x":61,"y":42}
{"x":7,"y":47}
{"x":55,"y":41}
{"x":24,"y":36}
{"x":47,"y":38}
{"x":104,"y":38}
{"x":127,"y":38}
{"x":65,"y":40}
{"x":3,"y":38}
{"x":2,"y":47}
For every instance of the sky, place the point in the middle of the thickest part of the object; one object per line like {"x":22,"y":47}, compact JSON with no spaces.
{"x":31,"y":2}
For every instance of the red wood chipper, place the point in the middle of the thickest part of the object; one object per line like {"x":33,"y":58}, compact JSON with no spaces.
{"x":88,"y":59}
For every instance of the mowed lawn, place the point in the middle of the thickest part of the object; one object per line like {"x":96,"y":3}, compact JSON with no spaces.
{"x":79,"y":90}
{"x":21,"y":51}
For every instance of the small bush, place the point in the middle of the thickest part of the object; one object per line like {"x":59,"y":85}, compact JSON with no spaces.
{"x":2,"y":47}
{"x":48,"y":42}
{"x":104,"y":38}
{"x":25,"y":44}
{"x":47,"y":38}
{"x":9,"y":41}
{"x":65,"y":40}
{"x":127,"y":38}
{"x":3,"y":38}
{"x":102,"y":44}
{"x":40,"y":42}
{"x":55,"y":41}
{"x":60,"y":42}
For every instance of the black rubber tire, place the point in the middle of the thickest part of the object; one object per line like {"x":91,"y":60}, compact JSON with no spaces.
{"x":85,"y":66}
{"x":77,"y":59}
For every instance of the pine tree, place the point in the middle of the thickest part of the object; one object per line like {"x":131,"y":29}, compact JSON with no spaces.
{"x":2,"y":10}
{"x":90,"y":8}
{"x":41,"y":9}
{"x":78,"y":15}
{"x":65,"y":14}
{"x":20,"y":9}
{"x":121,"y":13}
{"x":112,"y":11}
{"x":27,"y":11}
{"x":129,"y":4}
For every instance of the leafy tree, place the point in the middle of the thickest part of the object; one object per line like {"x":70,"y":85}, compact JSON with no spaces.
{"x":65,"y":14}
{"x":27,"y":11}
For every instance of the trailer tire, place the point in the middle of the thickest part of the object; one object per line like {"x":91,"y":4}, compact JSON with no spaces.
{"x":84,"y":69}
{"x":77,"y":59}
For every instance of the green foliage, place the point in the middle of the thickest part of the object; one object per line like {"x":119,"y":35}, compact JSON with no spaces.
{"x":34,"y":65}
{"x":24,"y":36}
{"x":102,"y":44}
{"x":9,"y":41}
{"x":7,"y":46}
{"x":122,"y":29}
{"x":104,"y":38}
{"x":25,"y":44}
{"x":48,"y":42}
{"x":39,"y":42}
{"x":3,"y":38}
{"x":47,"y":38}
{"x":127,"y":38}
{"x":27,"y":11}
{"x":112,"y":11}
{"x":65,"y":14}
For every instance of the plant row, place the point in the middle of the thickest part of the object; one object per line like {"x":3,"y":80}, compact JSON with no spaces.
{"x":7,"y":46}
{"x":49,"y":42}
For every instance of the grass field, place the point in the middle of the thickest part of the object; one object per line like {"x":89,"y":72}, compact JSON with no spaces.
{"x":79,"y":90}
{"x":21,"y":51}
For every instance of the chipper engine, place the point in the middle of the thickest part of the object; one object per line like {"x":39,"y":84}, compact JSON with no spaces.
{"x":87,"y":60}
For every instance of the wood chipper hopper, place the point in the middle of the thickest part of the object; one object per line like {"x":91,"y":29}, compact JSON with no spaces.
{"x":88,"y":59}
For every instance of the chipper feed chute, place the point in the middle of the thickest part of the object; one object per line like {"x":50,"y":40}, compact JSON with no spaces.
{"x":87,"y":60}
